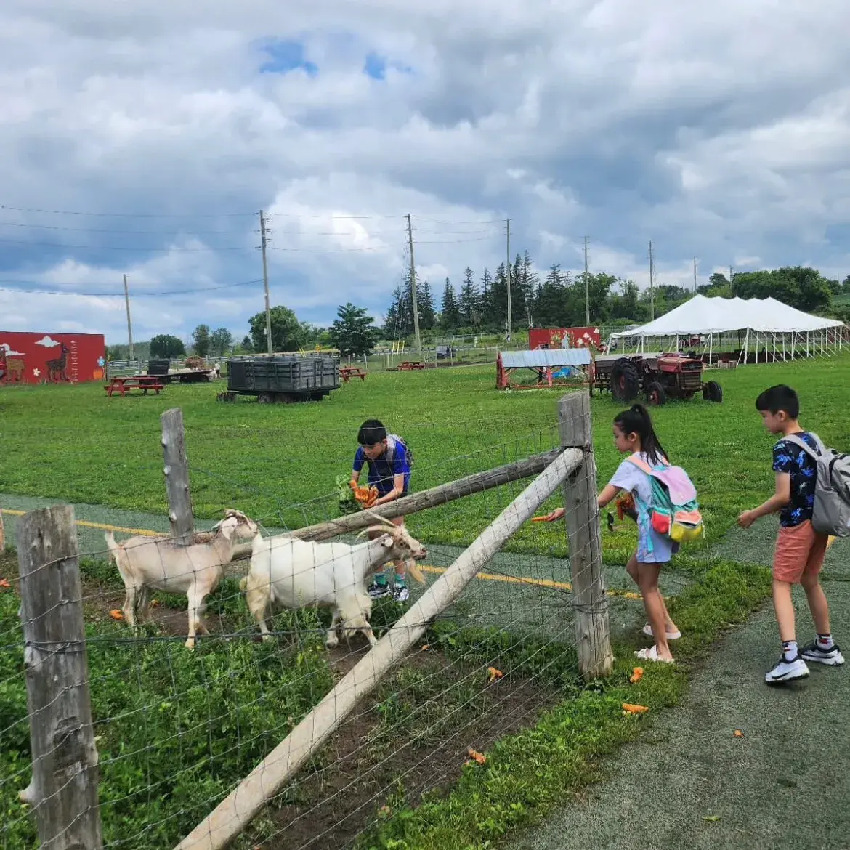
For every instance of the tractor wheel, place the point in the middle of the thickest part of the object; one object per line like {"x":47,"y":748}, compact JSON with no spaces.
{"x":655,"y":394}
{"x":712,"y":391}
{"x":625,"y":380}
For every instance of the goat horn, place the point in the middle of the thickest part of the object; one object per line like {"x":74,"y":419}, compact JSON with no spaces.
{"x":379,"y":528}
{"x":380,"y":518}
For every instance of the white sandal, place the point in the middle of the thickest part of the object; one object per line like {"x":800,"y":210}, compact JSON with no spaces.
{"x":651,"y":654}
{"x":647,"y":630}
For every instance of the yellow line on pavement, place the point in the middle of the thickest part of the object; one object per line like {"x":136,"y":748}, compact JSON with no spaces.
{"x":143,"y":531}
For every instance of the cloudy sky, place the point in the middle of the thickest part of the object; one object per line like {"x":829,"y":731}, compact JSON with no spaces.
{"x":142,"y":138}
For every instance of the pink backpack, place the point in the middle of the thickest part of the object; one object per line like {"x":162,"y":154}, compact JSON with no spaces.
{"x":674,"y":511}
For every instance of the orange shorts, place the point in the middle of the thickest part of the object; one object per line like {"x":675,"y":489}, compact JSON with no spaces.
{"x":800,"y":550}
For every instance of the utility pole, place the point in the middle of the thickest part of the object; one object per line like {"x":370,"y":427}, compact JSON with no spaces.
{"x":651,"y":283}
{"x":730,"y":273}
{"x":413,"y":288}
{"x":508,"y":272}
{"x":129,"y":323}
{"x":695,"y":275}
{"x":586,"y":289}
{"x":269,"y":348}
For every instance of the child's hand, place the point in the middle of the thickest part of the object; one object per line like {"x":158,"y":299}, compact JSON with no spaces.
{"x":746,"y":519}
{"x":558,"y":513}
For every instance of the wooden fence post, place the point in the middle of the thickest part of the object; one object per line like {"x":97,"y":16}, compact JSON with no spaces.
{"x":2,"y":533}
{"x":64,"y":758}
{"x":176,"y":471}
{"x":593,"y":637}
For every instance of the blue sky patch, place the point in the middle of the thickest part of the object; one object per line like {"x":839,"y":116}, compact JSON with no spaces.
{"x":285,"y":56}
{"x":376,"y":66}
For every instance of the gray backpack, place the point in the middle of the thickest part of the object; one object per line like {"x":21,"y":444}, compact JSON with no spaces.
{"x":832,"y":488}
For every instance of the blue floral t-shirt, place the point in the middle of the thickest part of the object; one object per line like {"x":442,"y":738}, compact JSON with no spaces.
{"x":790,"y":458}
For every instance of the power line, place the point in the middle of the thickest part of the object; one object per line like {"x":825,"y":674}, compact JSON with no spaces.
{"x":124,"y":247}
{"x":39,"y":290}
{"x":107,"y":229}
{"x":125,"y":215}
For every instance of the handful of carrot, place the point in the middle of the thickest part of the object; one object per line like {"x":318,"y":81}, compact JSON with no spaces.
{"x":365,"y":496}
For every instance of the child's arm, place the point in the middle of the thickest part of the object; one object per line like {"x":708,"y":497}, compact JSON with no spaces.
{"x":609,"y":492}
{"x":398,"y":489}
{"x":775,"y":503}
{"x":359,"y":460}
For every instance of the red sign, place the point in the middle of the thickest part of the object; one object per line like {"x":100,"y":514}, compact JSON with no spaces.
{"x":554,"y":338}
{"x":41,"y":358}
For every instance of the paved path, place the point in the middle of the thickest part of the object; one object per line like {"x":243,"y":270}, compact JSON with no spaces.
{"x":689,"y":783}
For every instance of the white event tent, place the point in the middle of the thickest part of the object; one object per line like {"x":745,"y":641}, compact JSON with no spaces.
{"x":753,"y":327}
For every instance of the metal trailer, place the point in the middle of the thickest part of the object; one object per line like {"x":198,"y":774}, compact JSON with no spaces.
{"x":282,"y":378}
{"x":162,"y":370}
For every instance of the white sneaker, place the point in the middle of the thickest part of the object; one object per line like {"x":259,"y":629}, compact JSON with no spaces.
{"x":832,"y":657}
{"x":785,"y":671}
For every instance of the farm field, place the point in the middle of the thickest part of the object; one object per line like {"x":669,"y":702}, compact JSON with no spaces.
{"x":172,"y":745}
{"x":278,"y":463}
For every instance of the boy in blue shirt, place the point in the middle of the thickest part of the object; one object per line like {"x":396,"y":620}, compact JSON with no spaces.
{"x":389,"y":472}
{"x":800,"y":550}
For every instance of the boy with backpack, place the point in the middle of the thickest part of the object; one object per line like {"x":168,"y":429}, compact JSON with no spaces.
{"x":388,"y":459}
{"x":802,"y":541}
{"x":666,"y":514}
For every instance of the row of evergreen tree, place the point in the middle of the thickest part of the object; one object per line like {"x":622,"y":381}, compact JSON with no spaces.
{"x":562,"y":299}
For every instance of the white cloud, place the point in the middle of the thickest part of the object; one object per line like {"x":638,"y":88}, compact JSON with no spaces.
{"x":721,"y":132}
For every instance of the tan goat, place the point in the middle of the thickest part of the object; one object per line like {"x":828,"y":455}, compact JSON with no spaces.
{"x":147,"y":563}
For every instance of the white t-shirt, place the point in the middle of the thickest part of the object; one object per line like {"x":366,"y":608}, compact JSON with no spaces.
{"x":653,"y":548}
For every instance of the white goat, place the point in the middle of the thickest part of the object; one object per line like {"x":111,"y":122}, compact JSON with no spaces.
{"x":296,"y":573}
{"x":147,"y":563}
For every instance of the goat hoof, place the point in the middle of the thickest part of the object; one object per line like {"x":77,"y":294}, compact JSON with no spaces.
{"x":190,"y":644}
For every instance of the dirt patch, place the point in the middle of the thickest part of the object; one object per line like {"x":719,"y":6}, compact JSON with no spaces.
{"x":371,"y":766}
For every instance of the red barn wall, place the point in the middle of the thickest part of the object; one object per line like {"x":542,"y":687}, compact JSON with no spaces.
{"x":51,"y":358}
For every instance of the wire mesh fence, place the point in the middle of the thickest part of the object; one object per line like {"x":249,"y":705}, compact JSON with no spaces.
{"x":480,"y":650}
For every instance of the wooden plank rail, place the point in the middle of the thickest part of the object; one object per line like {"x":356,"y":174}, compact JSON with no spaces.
{"x":440,"y":495}
{"x":227,"y":820}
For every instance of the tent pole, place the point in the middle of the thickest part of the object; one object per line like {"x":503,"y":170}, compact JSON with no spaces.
{"x":747,"y":347}
{"x":783,"y":348}
{"x":807,"y":343}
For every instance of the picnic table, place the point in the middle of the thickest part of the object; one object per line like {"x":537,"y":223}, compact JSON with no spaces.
{"x":410,"y":365}
{"x":348,"y":372}
{"x":124,"y":384}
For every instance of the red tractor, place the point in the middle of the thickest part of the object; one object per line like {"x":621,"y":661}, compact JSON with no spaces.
{"x":658,"y":376}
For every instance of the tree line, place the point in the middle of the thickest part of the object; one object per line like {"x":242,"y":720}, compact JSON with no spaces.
{"x":564,"y":299}
{"x":479,"y":305}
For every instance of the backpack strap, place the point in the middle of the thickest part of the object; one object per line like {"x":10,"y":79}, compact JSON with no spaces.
{"x":797,"y":441}
{"x":642,"y":464}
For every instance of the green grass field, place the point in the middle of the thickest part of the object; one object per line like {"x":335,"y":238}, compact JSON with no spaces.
{"x":279,"y":462}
